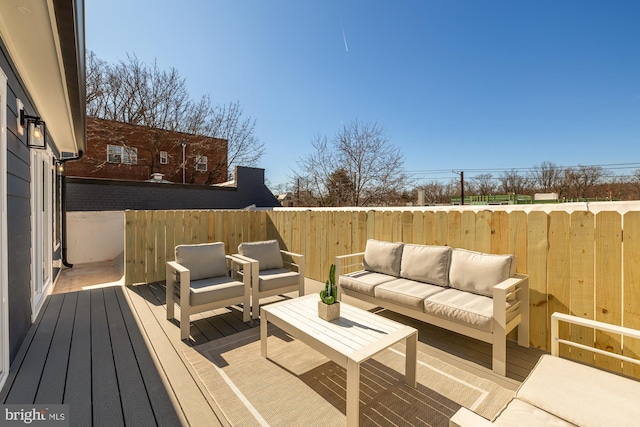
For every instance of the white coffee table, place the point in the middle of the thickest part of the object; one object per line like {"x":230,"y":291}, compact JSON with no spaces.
{"x":348,"y":341}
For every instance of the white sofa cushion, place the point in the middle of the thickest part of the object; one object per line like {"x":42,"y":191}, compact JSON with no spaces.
{"x":462,"y":307}
{"x":429,"y":264}
{"x":203,"y":261}
{"x":522,"y":414}
{"x":580,"y":394}
{"x":363,"y":281}
{"x":383,"y":257}
{"x":267,"y":253}
{"x":405,"y":292}
{"x":478,"y":272}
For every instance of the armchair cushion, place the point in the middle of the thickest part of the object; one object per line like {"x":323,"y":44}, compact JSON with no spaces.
{"x":523,"y":414}
{"x":478,"y":272}
{"x":204,"y":261}
{"x":585,"y":396}
{"x":383,"y":257}
{"x":277,"y":278}
{"x":220,"y":288}
{"x":267,"y":253}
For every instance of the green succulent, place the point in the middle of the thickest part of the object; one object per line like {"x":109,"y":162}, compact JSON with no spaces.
{"x":329,"y":294}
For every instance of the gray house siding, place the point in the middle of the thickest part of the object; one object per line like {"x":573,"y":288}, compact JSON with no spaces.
{"x":18,"y":210}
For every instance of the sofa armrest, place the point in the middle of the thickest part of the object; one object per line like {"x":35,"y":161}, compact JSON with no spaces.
{"x":511,"y":296}
{"x":465,"y":417}
{"x":511,"y":309}
{"x":344,"y":262}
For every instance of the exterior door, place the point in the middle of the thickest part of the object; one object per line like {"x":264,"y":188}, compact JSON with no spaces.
{"x":42,"y":227}
{"x":4,"y":263}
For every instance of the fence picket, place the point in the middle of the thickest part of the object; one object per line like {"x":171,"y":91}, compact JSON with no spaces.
{"x":454,"y":229}
{"x":608,"y":283}
{"x":440,"y":229}
{"x":631,"y":312}
{"x":537,"y":247}
{"x":582,"y":281}
{"x":468,"y":233}
{"x":559,"y":269}
{"x":482,"y":241}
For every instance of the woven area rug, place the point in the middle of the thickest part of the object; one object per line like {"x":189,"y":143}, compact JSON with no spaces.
{"x":297,"y":386}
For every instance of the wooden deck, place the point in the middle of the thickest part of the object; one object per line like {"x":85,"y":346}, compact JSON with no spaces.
{"x":110,"y":353}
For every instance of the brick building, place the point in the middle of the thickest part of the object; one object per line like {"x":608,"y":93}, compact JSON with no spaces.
{"x":124,"y":151}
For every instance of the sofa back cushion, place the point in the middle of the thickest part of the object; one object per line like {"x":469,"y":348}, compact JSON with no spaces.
{"x":203,"y":261}
{"x":267,"y":253}
{"x":478,"y":272}
{"x":383,"y":257}
{"x":429,"y":264}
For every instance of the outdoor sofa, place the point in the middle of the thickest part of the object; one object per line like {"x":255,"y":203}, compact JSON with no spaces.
{"x":560,"y":392}
{"x":471,"y":293}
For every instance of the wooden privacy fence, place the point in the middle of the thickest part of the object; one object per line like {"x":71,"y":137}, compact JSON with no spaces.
{"x":580,"y":263}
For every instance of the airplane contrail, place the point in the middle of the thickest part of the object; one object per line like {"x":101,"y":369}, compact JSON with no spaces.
{"x":344,"y":37}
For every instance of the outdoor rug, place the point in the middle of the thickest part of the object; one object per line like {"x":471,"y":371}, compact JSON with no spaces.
{"x":297,"y":386}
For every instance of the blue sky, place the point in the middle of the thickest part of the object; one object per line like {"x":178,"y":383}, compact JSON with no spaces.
{"x":465,"y":85}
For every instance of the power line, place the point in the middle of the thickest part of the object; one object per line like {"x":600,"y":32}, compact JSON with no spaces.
{"x":425,"y":174}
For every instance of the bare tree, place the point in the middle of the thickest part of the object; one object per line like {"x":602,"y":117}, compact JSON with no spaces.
{"x":436,"y":192}
{"x":511,"y":182}
{"x":340,"y":188}
{"x":134,"y":92}
{"x":634,"y":185}
{"x":582,"y":180}
{"x":365,"y":158}
{"x":484,"y":184}
{"x":547,"y":177}
{"x":243,"y":146}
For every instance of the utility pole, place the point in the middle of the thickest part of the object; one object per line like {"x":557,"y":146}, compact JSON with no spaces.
{"x":183,"y":144}
{"x":461,"y":173}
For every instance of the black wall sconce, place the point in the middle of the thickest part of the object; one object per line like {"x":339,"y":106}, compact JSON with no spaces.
{"x":59,"y":167}
{"x":36,"y":130}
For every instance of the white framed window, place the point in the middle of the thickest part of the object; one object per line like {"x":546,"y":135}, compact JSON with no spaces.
{"x":201,"y":163}
{"x":120,"y":154}
{"x":114,"y":153}
{"x":163,"y":158}
{"x":130,"y":155}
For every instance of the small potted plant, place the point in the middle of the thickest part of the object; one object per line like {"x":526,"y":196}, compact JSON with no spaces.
{"x":329,"y":306}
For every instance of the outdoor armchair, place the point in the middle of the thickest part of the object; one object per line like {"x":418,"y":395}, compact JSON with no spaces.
{"x":204,"y":278}
{"x":270,"y":274}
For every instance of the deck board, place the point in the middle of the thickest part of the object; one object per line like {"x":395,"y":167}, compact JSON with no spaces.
{"x":78,"y":386}
{"x":107,"y":409}
{"x":136,"y":406}
{"x":161,"y":402}
{"x":28,"y":378}
{"x":165,"y":336}
{"x":57,"y":361}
